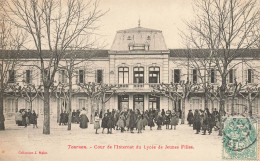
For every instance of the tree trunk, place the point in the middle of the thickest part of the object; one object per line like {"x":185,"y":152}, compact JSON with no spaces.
{"x":2,"y":119}
{"x":46,"y":121}
{"x":58,"y":110}
{"x":183,"y":111}
{"x":30,"y":105}
{"x":16,"y":104}
{"x":91,"y":111}
{"x":70,"y":90}
{"x":250,"y":104}
{"x":206,"y":101}
{"x":232,"y":106}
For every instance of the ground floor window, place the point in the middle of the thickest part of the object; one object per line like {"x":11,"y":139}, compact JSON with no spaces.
{"x":82,"y":103}
{"x":154,"y":102}
{"x":177,"y":105}
{"x":139,"y":102}
{"x":123,"y":102}
{"x":10,"y":106}
{"x":196,"y":103}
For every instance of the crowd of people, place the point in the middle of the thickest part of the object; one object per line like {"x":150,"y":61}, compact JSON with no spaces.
{"x":64,"y":117}
{"x":203,"y":120}
{"x":130,"y":120}
{"x":25,"y":118}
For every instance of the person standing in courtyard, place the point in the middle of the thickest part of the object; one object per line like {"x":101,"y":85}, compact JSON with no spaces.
{"x":83,"y":119}
{"x":150,"y":120}
{"x":121,"y":122}
{"x":132,"y":121}
{"x":33,"y":119}
{"x":159,"y":121}
{"x":104,"y":122}
{"x":139,"y":123}
{"x":190,"y":118}
{"x":96,"y":122}
{"x":197,"y":122}
{"x":24,"y":115}
{"x":174,"y":120}
{"x":110,"y":123}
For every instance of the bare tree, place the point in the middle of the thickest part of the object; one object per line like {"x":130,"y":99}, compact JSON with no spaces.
{"x":53,"y":25}
{"x":224,"y":27}
{"x":176,"y":91}
{"x":11,"y":41}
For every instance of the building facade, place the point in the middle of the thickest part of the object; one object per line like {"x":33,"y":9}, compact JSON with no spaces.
{"x":137,"y":63}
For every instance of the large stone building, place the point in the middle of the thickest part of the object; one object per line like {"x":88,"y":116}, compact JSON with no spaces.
{"x":138,"y":61}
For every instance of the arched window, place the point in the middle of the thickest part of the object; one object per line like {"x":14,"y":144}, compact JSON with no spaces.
{"x":138,"y":74}
{"x":123,"y":75}
{"x":154,"y":75}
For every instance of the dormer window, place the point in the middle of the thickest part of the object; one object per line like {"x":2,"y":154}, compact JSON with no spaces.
{"x":148,"y":37}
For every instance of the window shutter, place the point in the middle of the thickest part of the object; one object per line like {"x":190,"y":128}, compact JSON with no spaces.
{"x":191,"y":75}
{"x":60,"y":76}
{"x":14,"y":76}
{"x":215,"y":76}
{"x":24,"y":76}
{"x":65,"y":76}
{"x":31,"y":76}
{"x":234,"y":75}
{"x":181,"y":77}
{"x":228,"y":75}
{"x":245,"y":75}
{"x":85,"y":76}
{"x":77,"y":76}
{"x":40,"y":77}
{"x":173,"y":75}
{"x":253,"y":75}
{"x":102,"y":75}
{"x":95,"y":75}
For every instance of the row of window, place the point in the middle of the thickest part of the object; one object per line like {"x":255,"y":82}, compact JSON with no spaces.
{"x":249,"y":76}
{"x":138,"y":75}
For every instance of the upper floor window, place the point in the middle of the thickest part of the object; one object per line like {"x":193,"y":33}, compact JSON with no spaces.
{"x":62,"y":76}
{"x":123,"y":75}
{"x":28,"y":76}
{"x":99,"y":76}
{"x":231,"y":76}
{"x":154,"y":75}
{"x":11,"y":78}
{"x":213,"y":76}
{"x":250,"y":76}
{"x":138,"y":75}
{"x":194,"y":76}
{"x":176,"y":75}
{"x":81,"y":76}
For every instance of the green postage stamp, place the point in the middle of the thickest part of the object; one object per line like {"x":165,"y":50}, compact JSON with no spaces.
{"x":240,"y":139}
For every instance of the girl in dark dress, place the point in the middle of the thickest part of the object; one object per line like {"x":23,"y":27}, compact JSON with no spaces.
{"x":104,"y":123}
{"x":159,"y":121}
{"x":110,"y":123}
{"x":190,"y":117}
{"x":150,"y":121}
{"x":197,"y":121}
{"x":83,"y":119}
{"x":167,"y":119}
{"x":33,"y":119}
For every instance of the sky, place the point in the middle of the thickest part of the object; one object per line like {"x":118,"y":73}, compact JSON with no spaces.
{"x":164,"y":15}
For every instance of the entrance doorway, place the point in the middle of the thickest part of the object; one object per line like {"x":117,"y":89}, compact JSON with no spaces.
{"x":154,"y":102}
{"x":123,"y":102}
{"x":139,"y":102}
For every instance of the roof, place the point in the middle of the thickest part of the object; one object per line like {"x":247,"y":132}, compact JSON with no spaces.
{"x":32,"y":54}
{"x":138,"y":29}
{"x":202,"y":53}
{"x":139,"y":38}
